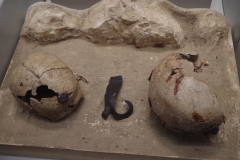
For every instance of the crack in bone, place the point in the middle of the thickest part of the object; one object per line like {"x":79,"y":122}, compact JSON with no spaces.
{"x":174,"y":71}
{"x":52,"y":70}
{"x":198,"y":64}
{"x":42,"y":92}
{"x":36,"y":75}
{"x":23,"y":98}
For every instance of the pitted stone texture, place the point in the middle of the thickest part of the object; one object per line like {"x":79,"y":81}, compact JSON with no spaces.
{"x":143,"y":23}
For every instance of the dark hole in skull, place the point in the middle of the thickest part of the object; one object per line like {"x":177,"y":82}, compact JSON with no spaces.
{"x":27,"y":97}
{"x":42,"y":92}
{"x":71,"y":107}
{"x":189,"y":57}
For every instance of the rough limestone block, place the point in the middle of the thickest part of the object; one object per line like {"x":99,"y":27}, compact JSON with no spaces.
{"x":143,"y":23}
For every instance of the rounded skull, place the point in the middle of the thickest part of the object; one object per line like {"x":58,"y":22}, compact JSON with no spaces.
{"x":182,"y":103}
{"x":45,"y":84}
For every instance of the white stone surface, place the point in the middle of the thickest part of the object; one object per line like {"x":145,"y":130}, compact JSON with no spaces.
{"x":143,"y":23}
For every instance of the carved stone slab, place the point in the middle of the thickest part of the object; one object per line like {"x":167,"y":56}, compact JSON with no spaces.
{"x":156,"y":28}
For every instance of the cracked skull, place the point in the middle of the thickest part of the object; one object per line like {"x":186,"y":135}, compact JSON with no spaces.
{"x":45,"y":84}
{"x":182,"y":103}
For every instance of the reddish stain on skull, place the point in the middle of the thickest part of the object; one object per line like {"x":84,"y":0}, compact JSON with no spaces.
{"x":197,"y":117}
{"x":178,"y":81}
{"x":169,"y":78}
